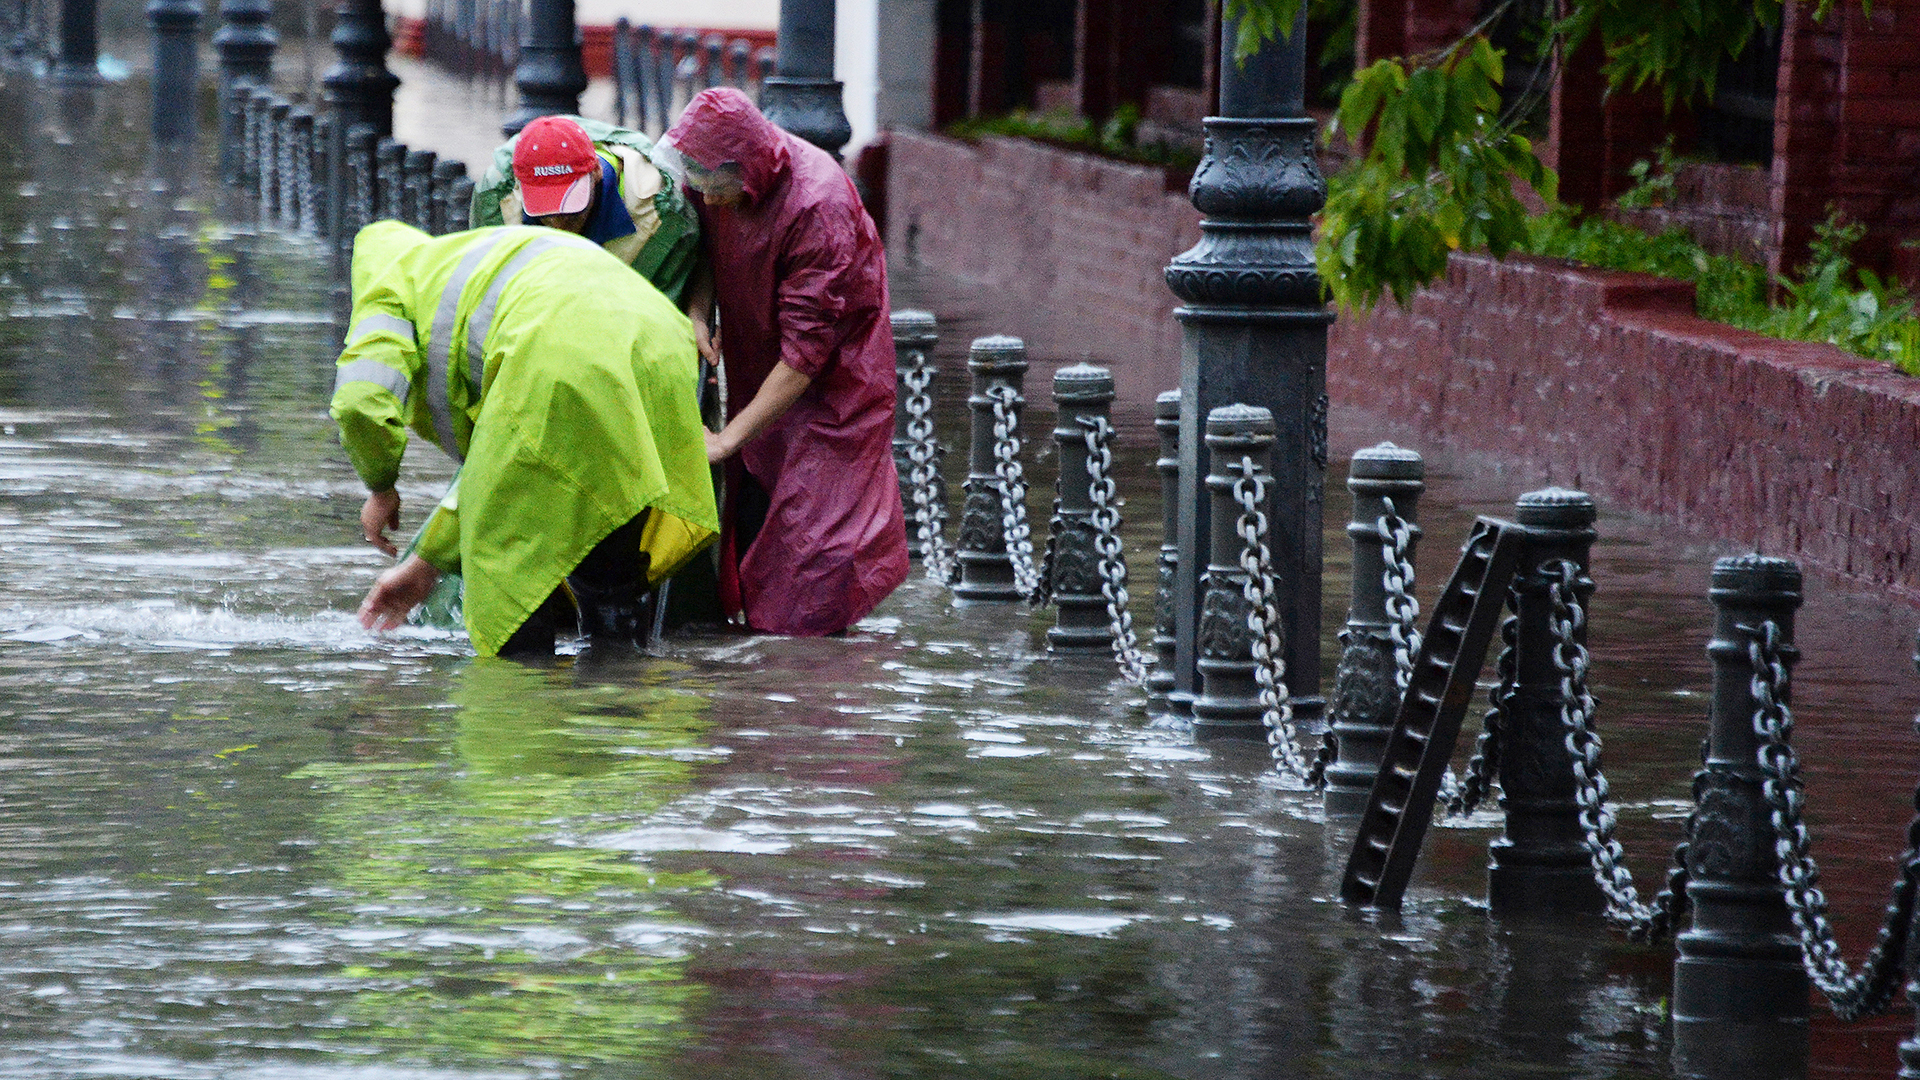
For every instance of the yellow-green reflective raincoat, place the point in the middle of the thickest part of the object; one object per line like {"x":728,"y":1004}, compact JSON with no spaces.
{"x":565,"y":389}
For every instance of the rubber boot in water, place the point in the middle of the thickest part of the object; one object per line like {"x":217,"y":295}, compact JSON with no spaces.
{"x":618,"y":615}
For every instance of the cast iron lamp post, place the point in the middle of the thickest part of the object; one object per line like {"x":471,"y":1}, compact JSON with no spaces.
{"x":550,"y":75}
{"x":804,"y":98}
{"x":1255,"y":331}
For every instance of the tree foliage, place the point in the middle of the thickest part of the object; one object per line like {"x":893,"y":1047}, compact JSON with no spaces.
{"x":1439,"y":161}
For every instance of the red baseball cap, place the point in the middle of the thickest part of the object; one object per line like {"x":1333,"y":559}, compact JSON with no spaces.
{"x":555,"y":166}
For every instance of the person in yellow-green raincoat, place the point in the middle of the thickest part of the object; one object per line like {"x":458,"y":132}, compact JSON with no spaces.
{"x":567,"y":392}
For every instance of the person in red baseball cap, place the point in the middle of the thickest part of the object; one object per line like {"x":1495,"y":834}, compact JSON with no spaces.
{"x":597,"y":180}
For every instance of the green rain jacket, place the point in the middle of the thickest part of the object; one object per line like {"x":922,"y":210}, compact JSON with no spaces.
{"x":666,"y":240}
{"x":566,"y":391}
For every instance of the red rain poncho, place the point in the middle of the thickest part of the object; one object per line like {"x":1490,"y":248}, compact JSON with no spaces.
{"x":800,"y":276}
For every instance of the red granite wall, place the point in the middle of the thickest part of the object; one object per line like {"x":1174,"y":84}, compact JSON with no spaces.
{"x":1600,"y":380}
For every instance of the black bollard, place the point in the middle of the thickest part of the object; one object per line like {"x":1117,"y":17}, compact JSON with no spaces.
{"x":1365,"y":692}
{"x":647,"y":111}
{"x":359,"y":165}
{"x":914,"y":335}
{"x":448,"y":215}
{"x":739,"y":59}
{"x":1254,"y":328}
{"x":622,"y":66}
{"x":301,"y":211}
{"x":1910,"y":1048}
{"x":1740,"y":992}
{"x":246,"y":42}
{"x":280,"y":116}
{"x":549,"y":74}
{"x":1081,"y":394}
{"x":417,"y":188}
{"x":712,"y":47}
{"x":1541,"y":866}
{"x":77,"y":61}
{"x":805,"y":98}
{"x":1160,"y":682}
{"x":986,"y":571}
{"x":460,"y":201}
{"x":324,"y":150}
{"x":176,"y":68}
{"x":359,"y":87}
{"x":1228,"y":705}
{"x":390,"y":173}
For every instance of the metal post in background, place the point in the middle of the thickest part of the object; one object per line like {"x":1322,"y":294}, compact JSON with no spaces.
{"x":739,"y":59}
{"x":647,"y":110}
{"x":1082,"y":394}
{"x":246,"y":44}
{"x":452,"y":215}
{"x":176,"y":68}
{"x":1740,"y":991}
{"x":622,"y":72}
{"x":77,"y":62}
{"x":1365,"y":694}
{"x":303,"y":208}
{"x":1229,"y":700}
{"x":416,"y":189}
{"x":914,"y":335}
{"x":1160,"y":683}
{"x":359,"y":87}
{"x":1255,"y":331}
{"x":805,"y":98}
{"x":549,"y":74}
{"x":1541,"y":866}
{"x":986,"y":571}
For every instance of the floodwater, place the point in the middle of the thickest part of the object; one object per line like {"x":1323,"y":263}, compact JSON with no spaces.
{"x":239,"y":837}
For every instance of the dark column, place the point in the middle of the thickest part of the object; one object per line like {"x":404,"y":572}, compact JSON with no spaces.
{"x":1229,"y":700}
{"x":986,"y":571}
{"x":549,"y":75}
{"x":358,"y":86}
{"x":176,"y":67}
{"x":1541,"y":865}
{"x":78,"y":61}
{"x":1366,"y":693}
{"x":1256,"y":333}
{"x":1739,"y":990}
{"x":246,"y":43}
{"x":804,"y":98}
{"x":1160,"y":684}
{"x":1080,"y":393}
{"x":914,"y":335}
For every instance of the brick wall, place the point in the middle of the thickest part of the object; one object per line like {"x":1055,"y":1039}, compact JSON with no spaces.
{"x":1607,"y":382}
{"x":1600,"y":380}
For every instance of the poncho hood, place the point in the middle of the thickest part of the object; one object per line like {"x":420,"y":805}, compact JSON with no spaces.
{"x":722,"y":125}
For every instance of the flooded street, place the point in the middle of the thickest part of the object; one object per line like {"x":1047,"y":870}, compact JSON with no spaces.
{"x":240,"y":837}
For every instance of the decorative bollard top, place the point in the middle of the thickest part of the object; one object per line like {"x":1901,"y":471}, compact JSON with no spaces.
{"x":1167,"y":406}
{"x":1556,"y":507}
{"x":1387,"y":462}
{"x":1239,"y":426}
{"x":1756,"y":577}
{"x":1082,"y":384}
{"x":998,"y":354}
{"x":915,"y":328}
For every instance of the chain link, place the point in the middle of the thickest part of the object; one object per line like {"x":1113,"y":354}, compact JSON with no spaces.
{"x":1269,"y":666}
{"x":1483,"y":768}
{"x":1027,"y":578}
{"x":1597,"y":820}
{"x":1851,"y":994}
{"x":929,"y":509}
{"x":1107,"y":543}
{"x":1403,"y":611}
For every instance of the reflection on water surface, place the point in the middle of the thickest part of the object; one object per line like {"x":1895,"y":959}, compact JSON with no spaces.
{"x":240,"y":837}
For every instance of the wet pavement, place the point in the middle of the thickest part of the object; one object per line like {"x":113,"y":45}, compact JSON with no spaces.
{"x":241,"y":837}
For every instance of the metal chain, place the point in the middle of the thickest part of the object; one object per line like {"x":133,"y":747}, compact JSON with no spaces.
{"x":1483,"y":768}
{"x":1851,"y":994}
{"x":1597,"y":820}
{"x":1269,"y":666}
{"x":1106,"y":542}
{"x":1403,"y":611}
{"x":286,"y":197}
{"x":929,"y":510}
{"x":1033,"y":588}
{"x":307,"y":212}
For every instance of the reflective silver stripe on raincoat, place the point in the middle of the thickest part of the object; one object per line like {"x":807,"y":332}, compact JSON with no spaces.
{"x":373,"y":324}
{"x":440,"y":349}
{"x":480,"y":321}
{"x":377,"y":373}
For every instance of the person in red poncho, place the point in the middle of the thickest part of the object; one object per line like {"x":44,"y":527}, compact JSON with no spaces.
{"x":813,"y":536}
